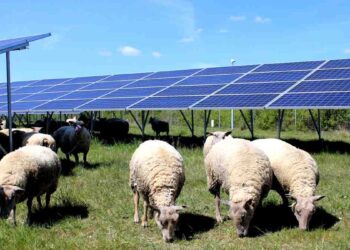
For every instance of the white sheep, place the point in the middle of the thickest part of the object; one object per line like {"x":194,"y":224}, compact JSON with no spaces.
{"x":34,"y":138}
{"x":244,"y":173}
{"x":157,"y":172}
{"x":296,"y":174}
{"x":27,"y":173}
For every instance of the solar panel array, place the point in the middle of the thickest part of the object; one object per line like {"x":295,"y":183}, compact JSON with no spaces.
{"x":316,"y":84}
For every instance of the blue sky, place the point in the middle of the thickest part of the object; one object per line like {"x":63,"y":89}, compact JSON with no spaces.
{"x":124,"y":36}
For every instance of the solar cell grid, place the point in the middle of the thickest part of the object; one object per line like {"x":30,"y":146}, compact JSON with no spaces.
{"x":133,"y":92}
{"x":64,"y":87}
{"x":126,"y":76}
{"x":49,"y":82}
{"x":108,"y":104}
{"x":154,"y":103}
{"x":212,"y":79}
{"x":106,"y":85}
{"x":343,"y":63}
{"x":226,"y":70}
{"x":44,"y":96}
{"x":23,"y":106}
{"x":90,"y":94}
{"x":189,"y":90}
{"x":86,"y":79}
{"x":274,"y":77}
{"x":21,"y":83}
{"x":321,"y":86}
{"x":256,"y":88}
{"x":330,"y":74}
{"x":288,"y":66}
{"x":61,"y":105}
{"x":175,"y":73}
{"x":30,"y":90}
{"x":155,"y":82}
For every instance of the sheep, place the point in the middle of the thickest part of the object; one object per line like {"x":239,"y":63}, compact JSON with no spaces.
{"x":24,"y":174}
{"x":296,"y":175}
{"x":35,"y":138}
{"x":159,"y":126}
{"x":244,"y":173}
{"x":157,"y":172}
{"x":73,"y":140}
{"x":113,"y":128}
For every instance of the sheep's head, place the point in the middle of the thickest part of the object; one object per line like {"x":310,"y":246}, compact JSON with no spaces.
{"x":8,"y":196}
{"x":303,"y":209}
{"x":78,"y":127}
{"x":2,"y":124}
{"x":241,"y":213}
{"x":167,"y":218}
{"x":213,"y":138}
{"x":151,"y":120}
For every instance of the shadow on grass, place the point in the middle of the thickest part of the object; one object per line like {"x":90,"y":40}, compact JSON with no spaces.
{"x":190,"y":224}
{"x":315,"y":146}
{"x":54,"y":214}
{"x":272,"y":218}
{"x":68,"y":166}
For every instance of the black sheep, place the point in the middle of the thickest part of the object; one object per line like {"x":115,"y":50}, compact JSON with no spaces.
{"x":159,"y":126}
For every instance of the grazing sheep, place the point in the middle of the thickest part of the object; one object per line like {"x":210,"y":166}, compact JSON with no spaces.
{"x":73,"y":140}
{"x":243,"y":171}
{"x":113,"y":128}
{"x":159,"y":126}
{"x":35,"y":138}
{"x":296,"y":174}
{"x":27,"y":173}
{"x":157,"y":172}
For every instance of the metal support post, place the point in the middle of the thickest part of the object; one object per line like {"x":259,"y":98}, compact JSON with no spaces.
{"x":9,"y":107}
{"x":279,"y":122}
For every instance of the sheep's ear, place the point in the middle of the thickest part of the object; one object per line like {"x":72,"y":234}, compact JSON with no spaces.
{"x":36,"y":129}
{"x":292,"y":206}
{"x":248,"y":204}
{"x":317,"y":197}
{"x":227,"y":203}
{"x":209,"y":133}
{"x":179,"y":208}
{"x":227,"y":133}
{"x":45,"y":142}
{"x":13,"y":191}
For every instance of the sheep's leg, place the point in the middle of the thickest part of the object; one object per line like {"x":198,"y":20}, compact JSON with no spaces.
{"x":76,"y":157}
{"x":279,"y":189}
{"x":29,"y":206}
{"x":39,"y":202}
{"x":136,"y":207}
{"x":85,"y":158}
{"x":145,"y":214}
{"x":151,"y":213}
{"x":217,"y":207}
{"x":12,"y":216}
{"x":47,"y":200}
{"x":67,"y":157}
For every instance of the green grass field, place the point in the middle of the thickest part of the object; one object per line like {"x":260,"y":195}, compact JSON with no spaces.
{"x":93,"y":208}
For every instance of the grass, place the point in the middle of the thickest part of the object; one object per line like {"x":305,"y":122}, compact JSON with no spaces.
{"x":92,"y":208}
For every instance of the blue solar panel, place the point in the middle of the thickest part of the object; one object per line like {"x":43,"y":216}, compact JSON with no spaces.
{"x":48,"y":82}
{"x":189,"y":90}
{"x":256,"y":88}
{"x":236,"y":101}
{"x":61,"y":105}
{"x":86,"y":79}
{"x":175,"y":73}
{"x":109,"y":104}
{"x":23,"y":106}
{"x":330,"y":74}
{"x":330,"y":99}
{"x":322,"y":86}
{"x":213,"y":79}
{"x":85,"y":94}
{"x":289,"y":66}
{"x":14,"y":97}
{"x":155,"y":82}
{"x":135,"y":76}
{"x":274,"y":77}
{"x":21,"y":84}
{"x":182,"y":102}
{"x":19,"y":43}
{"x":65,"y":87}
{"x":30,"y":90}
{"x":133,"y":92}
{"x":227,"y":70}
{"x":44,"y":96}
{"x":107,"y":85}
{"x":343,"y":63}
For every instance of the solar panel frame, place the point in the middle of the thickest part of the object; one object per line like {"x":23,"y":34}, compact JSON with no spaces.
{"x":290,"y":66}
{"x":337,"y":64}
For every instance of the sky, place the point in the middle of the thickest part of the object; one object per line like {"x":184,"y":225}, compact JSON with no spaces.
{"x":107,"y":37}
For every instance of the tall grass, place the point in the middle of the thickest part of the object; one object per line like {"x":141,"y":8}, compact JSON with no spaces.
{"x":93,"y":209}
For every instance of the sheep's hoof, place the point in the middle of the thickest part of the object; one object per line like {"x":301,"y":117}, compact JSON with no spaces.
{"x":219,"y":219}
{"x":136,"y":220}
{"x":145,"y":224}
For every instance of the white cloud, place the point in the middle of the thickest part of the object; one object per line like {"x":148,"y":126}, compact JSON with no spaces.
{"x":347,"y":51}
{"x":105,"y":53}
{"x":129,"y":51}
{"x":238,"y":18}
{"x":156,"y":54}
{"x":223,"y":31}
{"x":259,"y":19}
{"x":193,"y":37}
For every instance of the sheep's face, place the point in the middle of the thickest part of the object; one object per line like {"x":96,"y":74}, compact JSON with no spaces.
{"x":167,"y":219}
{"x":8,"y":199}
{"x":213,"y":138}
{"x":241,"y":213}
{"x":304,"y":208}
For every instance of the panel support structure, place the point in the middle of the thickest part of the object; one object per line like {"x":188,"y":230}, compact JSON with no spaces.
{"x":317,"y":123}
{"x":9,"y":104}
{"x":144,"y":118}
{"x":189,"y":125}
{"x":279,"y":122}
{"x":206,"y":121}
{"x":250,"y":124}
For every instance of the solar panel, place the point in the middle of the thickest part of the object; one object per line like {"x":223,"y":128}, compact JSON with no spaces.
{"x":155,"y":82}
{"x":212,"y":79}
{"x":343,"y":63}
{"x":65,"y":87}
{"x":227,"y":70}
{"x":235,"y":101}
{"x":330,"y":74}
{"x":189,"y":90}
{"x":274,"y":77}
{"x":133,"y":92}
{"x":127,"y":76}
{"x":21,"y":84}
{"x":322,"y":86}
{"x":29,"y":90}
{"x":23,"y":106}
{"x":313,"y":100}
{"x":19,"y":43}
{"x":44,"y":96}
{"x":49,"y":82}
{"x":175,"y":73}
{"x":158,"y":103}
{"x":106,"y":85}
{"x":14,"y":97}
{"x":261,"y":88}
{"x":58,"y":105}
{"x":90,"y":94}
{"x":289,"y":66}
{"x":109,"y":104}
{"x":86,"y":79}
